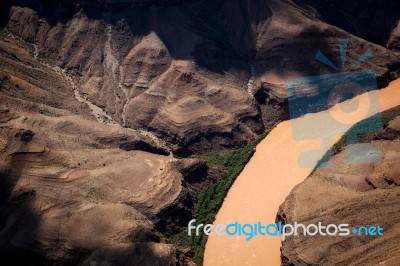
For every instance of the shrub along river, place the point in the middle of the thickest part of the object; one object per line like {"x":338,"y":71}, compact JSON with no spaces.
{"x":272,"y":173}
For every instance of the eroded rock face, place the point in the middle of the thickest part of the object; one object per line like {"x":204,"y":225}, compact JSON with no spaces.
{"x":282,"y":37}
{"x":367,"y":24}
{"x":356,"y":194}
{"x":188,"y":74}
{"x":74,"y":188}
{"x":143,"y":83}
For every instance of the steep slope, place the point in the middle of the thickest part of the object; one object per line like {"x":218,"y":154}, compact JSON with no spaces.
{"x":161,"y":68}
{"x":281,"y":38}
{"x":357,"y":194}
{"x":186,"y":77}
{"x":75,"y":188}
{"x":145,"y":75}
{"x":374,"y":22}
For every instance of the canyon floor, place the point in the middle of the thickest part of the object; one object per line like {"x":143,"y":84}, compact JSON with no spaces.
{"x":120,"y":121}
{"x":275,"y":171}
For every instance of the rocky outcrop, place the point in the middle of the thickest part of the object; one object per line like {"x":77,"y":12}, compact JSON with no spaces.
{"x":281,"y":38}
{"x":158,"y":76}
{"x":357,"y":194}
{"x":374,"y":22}
{"x":182,"y":72}
{"x":143,"y":83}
{"x":74,"y":189}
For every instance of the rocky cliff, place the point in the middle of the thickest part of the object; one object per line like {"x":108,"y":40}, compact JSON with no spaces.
{"x":357,"y":194}
{"x":74,"y":189}
{"x":189,"y":72}
{"x":96,"y":97}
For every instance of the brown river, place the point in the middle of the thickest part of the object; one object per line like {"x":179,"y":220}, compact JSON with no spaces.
{"x":268,"y":178}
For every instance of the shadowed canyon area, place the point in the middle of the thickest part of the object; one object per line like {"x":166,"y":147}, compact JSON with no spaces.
{"x":120,"y":121}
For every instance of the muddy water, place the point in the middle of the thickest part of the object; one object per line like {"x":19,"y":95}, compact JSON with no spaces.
{"x":268,"y":178}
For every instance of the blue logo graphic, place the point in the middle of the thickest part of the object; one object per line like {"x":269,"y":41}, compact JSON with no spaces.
{"x":319,"y":93}
{"x":251,"y":230}
{"x":374,"y":230}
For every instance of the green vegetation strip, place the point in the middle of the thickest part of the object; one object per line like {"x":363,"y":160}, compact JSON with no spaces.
{"x":211,"y":198}
{"x":4,"y":32}
{"x":233,"y":162}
